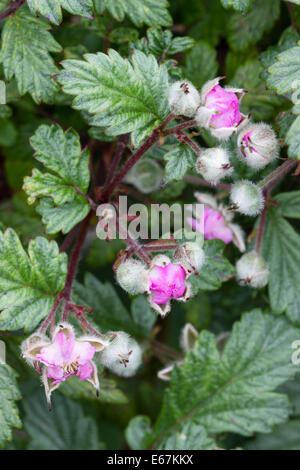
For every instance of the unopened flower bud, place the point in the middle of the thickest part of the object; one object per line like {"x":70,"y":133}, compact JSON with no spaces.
{"x":192,"y":254}
{"x":123,"y":355}
{"x":247,"y":198}
{"x":132,"y":275}
{"x":146,"y":175}
{"x":252,"y":270}
{"x":214,"y":164}
{"x":219,"y":111}
{"x":258,"y":145}
{"x":184,"y":98}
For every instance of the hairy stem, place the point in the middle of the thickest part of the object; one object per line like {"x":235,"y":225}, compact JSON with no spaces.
{"x":196,"y":180}
{"x":181,"y":127}
{"x":12,"y":7}
{"x":269,"y":181}
{"x":121,"y":145}
{"x":185,"y":139}
{"x":261,"y":226}
{"x":51,"y":315}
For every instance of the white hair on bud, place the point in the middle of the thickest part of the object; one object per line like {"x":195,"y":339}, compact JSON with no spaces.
{"x":262,"y":145}
{"x":160,"y":260}
{"x":184,"y":98}
{"x":252,"y":270}
{"x":214,"y":164}
{"x":132,"y":276}
{"x":123,"y":355}
{"x":195,"y":255}
{"x":247,"y":197}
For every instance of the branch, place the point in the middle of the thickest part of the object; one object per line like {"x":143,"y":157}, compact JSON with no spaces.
{"x":269,"y":181}
{"x":181,"y":127}
{"x":196,"y":180}
{"x":12,"y":7}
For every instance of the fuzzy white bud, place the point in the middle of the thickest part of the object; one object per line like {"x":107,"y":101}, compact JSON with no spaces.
{"x":132,"y":275}
{"x":123,"y":355}
{"x":247,"y":198}
{"x":191,"y":253}
{"x":184,"y":98}
{"x":214,"y":164}
{"x":258,"y":145}
{"x":252,"y":270}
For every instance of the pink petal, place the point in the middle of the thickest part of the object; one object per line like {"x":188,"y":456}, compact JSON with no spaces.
{"x":85,"y":371}
{"x":196,"y":226}
{"x":82,"y":352}
{"x":226,"y":106}
{"x":161,"y":298}
{"x":55,"y":373}
{"x":215,"y":226}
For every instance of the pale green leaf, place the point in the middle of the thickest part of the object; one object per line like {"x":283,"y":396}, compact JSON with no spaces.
{"x":179,"y":160}
{"x":289,"y":204}
{"x":25,"y":54}
{"x":51,"y":9}
{"x":284,"y":437}
{"x":82,"y":389}
{"x":29,"y":282}
{"x":284,"y":73}
{"x":124,"y":96}
{"x":233,"y":393}
{"x":238,"y":5}
{"x":137,"y":431}
{"x":281,"y":248}
{"x":150,"y":12}
{"x":9,"y":393}
{"x":61,"y":153}
{"x":216,"y":270}
{"x":190,"y":436}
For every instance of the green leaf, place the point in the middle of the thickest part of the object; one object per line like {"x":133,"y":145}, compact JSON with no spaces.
{"x":261,"y":103}
{"x":281,"y":248}
{"x":293,"y":139}
{"x":124,"y":96}
{"x":82,"y":389}
{"x":108,"y":311}
{"x":9,"y":393}
{"x":25,"y":54}
{"x":217,"y":268}
{"x":137,"y":431}
{"x":190,"y":437}
{"x":61,"y":153}
{"x":284,"y":73}
{"x":289,"y":204}
{"x":65,"y":428}
{"x":150,"y":12}
{"x":201,"y":64}
{"x":51,"y":9}
{"x":179,"y":160}
{"x":162,"y":43}
{"x":29,"y":282}
{"x":249,"y":29}
{"x":234,"y":393}
{"x":143,"y":315}
{"x":284,"y":437}
{"x":238,"y":5}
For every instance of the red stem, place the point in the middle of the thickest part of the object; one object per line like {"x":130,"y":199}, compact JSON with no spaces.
{"x":51,"y":314}
{"x":272,"y":179}
{"x":181,"y":127}
{"x":12,"y":7}
{"x":196,"y":180}
{"x":261,"y":227}
{"x":121,"y":145}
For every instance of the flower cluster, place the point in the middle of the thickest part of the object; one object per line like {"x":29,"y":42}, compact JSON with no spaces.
{"x":165,"y":279}
{"x":64,"y":356}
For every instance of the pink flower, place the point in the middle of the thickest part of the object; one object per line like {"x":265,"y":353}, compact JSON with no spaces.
{"x":167,"y":282}
{"x":220,"y":109}
{"x":65,"y":356}
{"x":225,"y":106}
{"x":214,"y":226}
{"x":217,"y":222}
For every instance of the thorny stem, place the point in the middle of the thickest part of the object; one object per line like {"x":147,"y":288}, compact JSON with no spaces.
{"x":12,"y":7}
{"x":181,"y":127}
{"x":269,"y":181}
